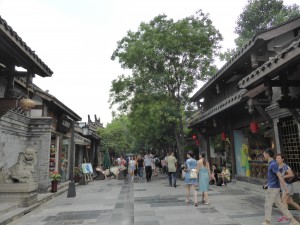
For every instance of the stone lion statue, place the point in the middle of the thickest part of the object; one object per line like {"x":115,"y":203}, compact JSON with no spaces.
{"x":22,"y":171}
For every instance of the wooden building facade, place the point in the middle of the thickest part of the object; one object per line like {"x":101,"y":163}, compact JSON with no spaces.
{"x":252,"y":103}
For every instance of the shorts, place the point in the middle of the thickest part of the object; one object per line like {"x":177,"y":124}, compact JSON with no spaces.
{"x":290,"y":188}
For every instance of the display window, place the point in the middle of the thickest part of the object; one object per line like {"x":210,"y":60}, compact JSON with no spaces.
{"x":64,"y":159}
{"x":53,"y":158}
{"x":249,"y":147}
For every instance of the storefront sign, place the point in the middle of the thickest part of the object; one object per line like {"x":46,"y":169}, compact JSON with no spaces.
{"x":64,"y":124}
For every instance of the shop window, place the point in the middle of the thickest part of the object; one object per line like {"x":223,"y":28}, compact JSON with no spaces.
{"x":64,"y":162}
{"x":52,"y":159}
{"x":249,"y":150}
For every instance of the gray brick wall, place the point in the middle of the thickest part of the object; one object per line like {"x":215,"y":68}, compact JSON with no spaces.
{"x":18,"y":132}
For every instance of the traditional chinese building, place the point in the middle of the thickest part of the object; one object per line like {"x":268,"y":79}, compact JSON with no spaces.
{"x":252,"y":103}
{"x":43,"y":123}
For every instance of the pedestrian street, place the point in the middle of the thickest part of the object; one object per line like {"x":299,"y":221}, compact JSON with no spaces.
{"x":119,"y":202}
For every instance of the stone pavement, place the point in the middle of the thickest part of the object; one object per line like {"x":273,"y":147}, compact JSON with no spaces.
{"x":119,"y":202}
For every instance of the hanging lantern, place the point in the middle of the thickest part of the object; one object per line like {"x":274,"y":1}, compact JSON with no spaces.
{"x":26,"y":104}
{"x":254,"y":127}
{"x":223,"y":136}
{"x":197,"y":142}
{"x":194,"y":136}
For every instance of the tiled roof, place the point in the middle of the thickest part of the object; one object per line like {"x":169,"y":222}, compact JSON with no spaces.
{"x":292,"y":51}
{"x":51,"y":98}
{"x":225,"y":104}
{"x":236,"y":56}
{"x":24,"y":47}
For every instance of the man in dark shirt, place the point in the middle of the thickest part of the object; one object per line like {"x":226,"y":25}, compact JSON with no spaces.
{"x":273,"y":195}
{"x":140,"y":165}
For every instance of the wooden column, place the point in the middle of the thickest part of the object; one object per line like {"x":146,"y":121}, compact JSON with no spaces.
{"x":10,"y":78}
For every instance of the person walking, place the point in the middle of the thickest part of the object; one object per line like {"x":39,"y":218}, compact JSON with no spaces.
{"x":172,"y":168}
{"x":273,"y":193}
{"x":132,"y":167}
{"x":190,"y":183}
{"x":163,"y":162}
{"x":148,"y":167}
{"x":287,"y":198}
{"x":204,"y":178}
{"x":140,"y":165}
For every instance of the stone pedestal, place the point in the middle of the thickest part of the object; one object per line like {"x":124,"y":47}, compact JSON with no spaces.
{"x":22,"y":193}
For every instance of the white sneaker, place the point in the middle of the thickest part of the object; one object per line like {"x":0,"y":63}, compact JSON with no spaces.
{"x":266,"y":223}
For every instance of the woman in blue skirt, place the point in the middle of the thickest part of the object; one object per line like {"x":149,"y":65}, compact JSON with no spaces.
{"x":190,"y":183}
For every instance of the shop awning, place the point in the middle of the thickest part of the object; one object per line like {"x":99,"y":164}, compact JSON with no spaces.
{"x":79,"y":140}
{"x":225,"y":104}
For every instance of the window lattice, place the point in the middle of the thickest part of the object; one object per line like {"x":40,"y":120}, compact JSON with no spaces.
{"x":289,"y":135}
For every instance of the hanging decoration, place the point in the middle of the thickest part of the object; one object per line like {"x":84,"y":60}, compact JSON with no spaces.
{"x":194,"y":136}
{"x":197,"y":142}
{"x":26,"y":103}
{"x":254,"y":127}
{"x":223,"y":136}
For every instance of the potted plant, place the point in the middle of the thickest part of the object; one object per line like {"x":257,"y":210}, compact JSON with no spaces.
{"x":55,"y":177}
{"x":77,"y":173}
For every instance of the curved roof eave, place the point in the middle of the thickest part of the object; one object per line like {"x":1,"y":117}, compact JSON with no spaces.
{"x":281,"y":59}
{"x":45,"y":71}
{"x":59,"y":104}
{"x":259,"y":36}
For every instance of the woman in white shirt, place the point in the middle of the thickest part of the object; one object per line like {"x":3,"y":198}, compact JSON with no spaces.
{"x":132,"y":166}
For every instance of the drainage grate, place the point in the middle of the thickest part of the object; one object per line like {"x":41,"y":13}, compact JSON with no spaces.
{"x":290,"y":141}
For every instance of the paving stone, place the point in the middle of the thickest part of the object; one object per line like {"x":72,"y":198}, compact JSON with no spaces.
{"x":119,"y":202}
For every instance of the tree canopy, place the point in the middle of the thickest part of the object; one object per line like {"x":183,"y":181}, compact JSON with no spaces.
{"x":166,"y":58}
{"x":116,"y":136}
{"x":259,"y":15}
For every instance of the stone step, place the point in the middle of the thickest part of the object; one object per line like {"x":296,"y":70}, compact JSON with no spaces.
{"x":11,"y":211}
{"x":7,"y":207}
{"x":16,"y":213}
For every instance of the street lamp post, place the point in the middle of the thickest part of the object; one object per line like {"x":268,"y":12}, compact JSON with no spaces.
{"x":72,"y":190}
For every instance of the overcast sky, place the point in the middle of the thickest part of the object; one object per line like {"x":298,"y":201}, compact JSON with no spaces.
{"x":76,"y":39}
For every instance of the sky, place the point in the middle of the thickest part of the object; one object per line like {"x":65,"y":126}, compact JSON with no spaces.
{"x":76,"y":38}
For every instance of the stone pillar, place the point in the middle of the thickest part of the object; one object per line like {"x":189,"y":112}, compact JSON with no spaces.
{"x":40,"y":139}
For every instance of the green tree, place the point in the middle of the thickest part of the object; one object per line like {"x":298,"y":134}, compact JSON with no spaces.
{"x":152,"y":122}
{"x":116,"y":136}
{"x":167,"y":58}
{"x":259,"y":15}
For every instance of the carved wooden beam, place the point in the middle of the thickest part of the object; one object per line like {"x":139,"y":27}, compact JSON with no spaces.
{"x":289,"y":104}
{"x":278,"y":83}
{"x":13,"y":73}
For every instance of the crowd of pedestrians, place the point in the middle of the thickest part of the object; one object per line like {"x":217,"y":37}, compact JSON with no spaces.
{"x":198,"y":175}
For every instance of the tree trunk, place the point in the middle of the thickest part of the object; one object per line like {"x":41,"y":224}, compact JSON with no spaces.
{"x":179,"y":135}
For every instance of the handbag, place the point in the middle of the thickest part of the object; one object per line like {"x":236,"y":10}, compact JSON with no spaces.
{"x":193,"y":174}
{"x":292,"y":179}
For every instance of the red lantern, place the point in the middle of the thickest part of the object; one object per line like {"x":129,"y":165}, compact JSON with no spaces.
{"x":254,"y":127}
{"x":194,"y":137}
{"x":197,"y":142}
{"x":223,"y":136}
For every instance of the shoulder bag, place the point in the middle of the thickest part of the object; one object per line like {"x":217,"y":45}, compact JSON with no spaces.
{"x":193,"y":173}
{"x":292,"y":179}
